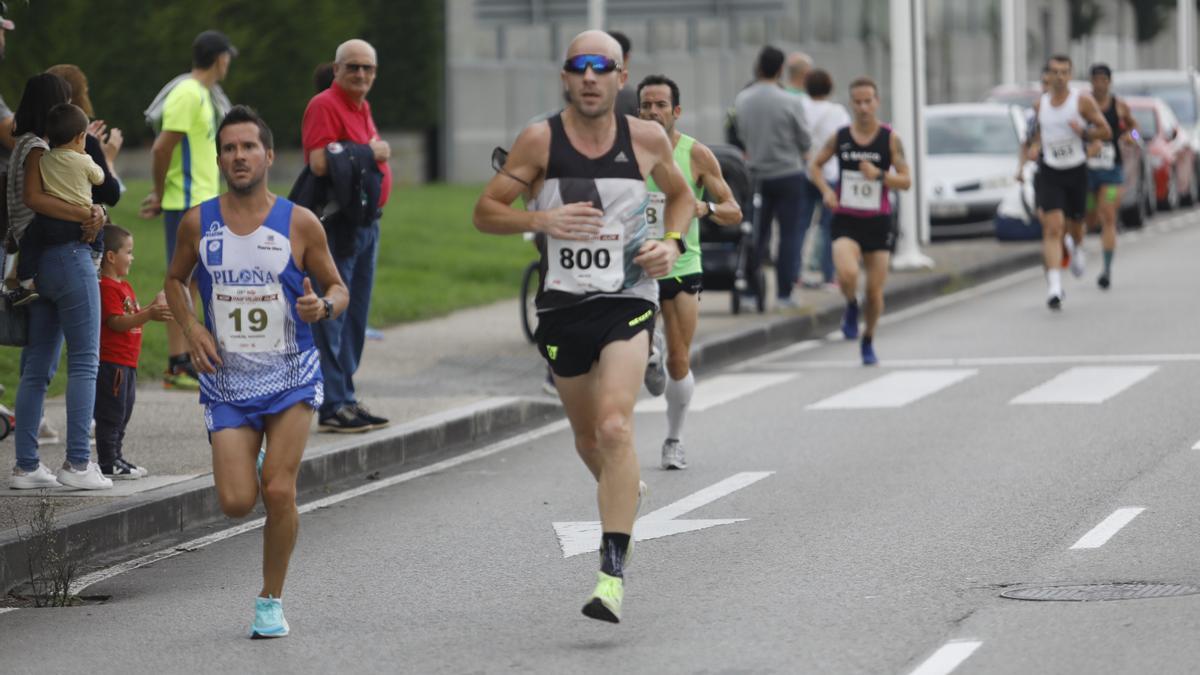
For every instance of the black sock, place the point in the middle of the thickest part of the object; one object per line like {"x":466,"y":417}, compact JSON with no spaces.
{"x":866,"y":340}
{"x":852,"y":304}
{"x":612,"y":553}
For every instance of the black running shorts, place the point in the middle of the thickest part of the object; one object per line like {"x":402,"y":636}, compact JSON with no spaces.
{"x":1063,"y":190}
{"x":669,"y":287}
{"x":872,"y":233}
{"x":570,"y":339}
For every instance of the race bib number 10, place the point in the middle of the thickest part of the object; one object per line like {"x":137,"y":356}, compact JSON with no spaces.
{"x":592,"y":266}
{"x":656,"y":208}
{"x":250,"y":318}
{"x":859,"y":193}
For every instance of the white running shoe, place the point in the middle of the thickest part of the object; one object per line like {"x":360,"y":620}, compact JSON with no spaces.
{"x":1078,"y":262}
{"x":672,"y":455}
{"x":39,"y":478}
{"x":47,"y":435}
{"x":88,"y":479}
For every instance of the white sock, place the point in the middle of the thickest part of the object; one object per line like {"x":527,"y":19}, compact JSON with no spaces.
{"x":679,"y":397}
{"x":1069,"y":242}
{"x":1054,"y":281}
{"x":27,"y":284}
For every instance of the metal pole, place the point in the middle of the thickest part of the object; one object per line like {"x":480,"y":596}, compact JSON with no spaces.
{"x":596,"y":14}
{"x":908,"y":93}
{"x":1185,"y":19}
{"x":1020,"y":33}
{"x":1008,"y":41}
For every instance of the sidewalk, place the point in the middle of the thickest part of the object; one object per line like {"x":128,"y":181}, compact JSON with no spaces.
{"x":433,"y":375}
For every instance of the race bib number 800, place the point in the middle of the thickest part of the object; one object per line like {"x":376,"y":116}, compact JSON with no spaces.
{"x":250,"y":318}
{"x":595,"y":265}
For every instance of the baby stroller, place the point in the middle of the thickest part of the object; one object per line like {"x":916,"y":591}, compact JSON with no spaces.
{"x":727,"y":253}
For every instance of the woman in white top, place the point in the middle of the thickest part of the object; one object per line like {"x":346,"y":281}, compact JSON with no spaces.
{"x":824,"y":119}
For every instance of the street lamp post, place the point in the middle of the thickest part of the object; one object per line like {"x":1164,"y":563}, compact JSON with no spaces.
{"x":1012,"y":41}
{"x":596,"y":14}
{"x":1185,"y":20}
{"x":908,"y":119}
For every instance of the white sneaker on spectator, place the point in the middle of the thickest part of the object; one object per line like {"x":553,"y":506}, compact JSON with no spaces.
{"x":47,"y":435}
{"x":88,"y":479}
{"x":39,"y":478}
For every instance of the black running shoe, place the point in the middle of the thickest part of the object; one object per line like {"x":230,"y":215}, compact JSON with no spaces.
{"x":1054,"y":302}
{"x":375,"y":421}
{"x":1104,"y":281}
{"x":21,"y":296}
{"x":344,"y":420}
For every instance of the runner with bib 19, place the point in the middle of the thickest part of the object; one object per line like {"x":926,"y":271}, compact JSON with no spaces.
{"x":583,"y":175}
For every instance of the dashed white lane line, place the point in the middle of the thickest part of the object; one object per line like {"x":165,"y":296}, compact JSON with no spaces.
{"x":1085,"y":385}
{"x":1100,"y":534}
{"x":893,"y":390}
{"x":950,"y":656}
{"x":715,"y":391}
{"x":500,"y":446}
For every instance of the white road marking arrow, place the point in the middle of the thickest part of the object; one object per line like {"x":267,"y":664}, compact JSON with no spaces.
{"x":584,"y":537}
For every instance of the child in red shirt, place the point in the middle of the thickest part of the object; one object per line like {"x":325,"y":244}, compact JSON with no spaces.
{"x":121,"y":322}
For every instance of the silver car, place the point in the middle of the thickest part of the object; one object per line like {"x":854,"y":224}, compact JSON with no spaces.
{"x":972,"y":159}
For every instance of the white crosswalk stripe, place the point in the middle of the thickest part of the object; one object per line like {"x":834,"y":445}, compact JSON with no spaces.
{"x":714,"y":391}
{"x":894,"y":390}
{"x":1085,"y":385}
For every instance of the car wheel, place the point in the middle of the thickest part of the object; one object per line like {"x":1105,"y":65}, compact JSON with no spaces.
{"x":1193,"y":193}
{"x":1172,"y":201}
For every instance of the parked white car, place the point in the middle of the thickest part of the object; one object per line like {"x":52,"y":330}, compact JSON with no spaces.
{"x":972,"y":160}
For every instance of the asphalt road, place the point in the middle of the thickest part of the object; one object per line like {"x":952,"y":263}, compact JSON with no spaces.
{"x":902,"y":500}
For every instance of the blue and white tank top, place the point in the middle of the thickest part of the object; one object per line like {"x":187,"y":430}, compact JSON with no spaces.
{"x":249,"y":285}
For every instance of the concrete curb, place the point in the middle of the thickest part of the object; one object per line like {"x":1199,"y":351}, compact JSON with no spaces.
{"x":174,"y":509}
{"x":720,"y":350}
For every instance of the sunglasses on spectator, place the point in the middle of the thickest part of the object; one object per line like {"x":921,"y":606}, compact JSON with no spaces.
{"x":599,"y":64}
{"x":367,"y":68}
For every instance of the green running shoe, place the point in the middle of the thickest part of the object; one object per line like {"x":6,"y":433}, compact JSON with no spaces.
{"x":268,"y":619}
{"x":605,"y":604}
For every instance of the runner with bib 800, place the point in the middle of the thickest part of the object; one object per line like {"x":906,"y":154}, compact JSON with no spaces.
{"x":1061,"y":184}
{"x":583,"y":174}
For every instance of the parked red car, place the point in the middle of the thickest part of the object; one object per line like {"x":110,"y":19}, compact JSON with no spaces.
{"x":1169,"y":147}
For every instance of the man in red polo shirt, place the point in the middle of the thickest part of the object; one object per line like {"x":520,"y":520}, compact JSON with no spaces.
{"x":341,"y":113}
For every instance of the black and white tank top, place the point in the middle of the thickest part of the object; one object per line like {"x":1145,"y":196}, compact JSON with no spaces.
{"x":578,"y":271}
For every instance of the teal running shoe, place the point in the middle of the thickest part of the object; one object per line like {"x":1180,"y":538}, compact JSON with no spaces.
{"x":605,"y":603}
{"x":268,"y":619}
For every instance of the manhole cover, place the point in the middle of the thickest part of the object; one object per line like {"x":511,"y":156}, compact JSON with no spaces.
{"x":1133,"y":590}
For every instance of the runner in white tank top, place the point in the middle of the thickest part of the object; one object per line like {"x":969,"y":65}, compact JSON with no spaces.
{"x":1063,"y":131}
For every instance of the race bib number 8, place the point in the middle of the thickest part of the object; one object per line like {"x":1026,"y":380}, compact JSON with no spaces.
{"x":250,"y":318}
{"x":596,"y":265}
{"x":656,"y":208}
{"x":860,"y":193}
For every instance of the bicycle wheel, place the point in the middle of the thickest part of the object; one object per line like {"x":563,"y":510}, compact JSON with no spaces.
{"x":530,"y":282}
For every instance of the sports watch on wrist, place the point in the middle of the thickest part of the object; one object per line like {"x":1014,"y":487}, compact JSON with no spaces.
{"x":712,"y":208}
{"x":328,"y":308}
{"x":676,"y":237}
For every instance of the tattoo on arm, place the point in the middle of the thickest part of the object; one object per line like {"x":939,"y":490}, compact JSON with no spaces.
{"x":898,"y":151}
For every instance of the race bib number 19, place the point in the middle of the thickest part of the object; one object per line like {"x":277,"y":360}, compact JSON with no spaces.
{"x":655,"y":210}
{"x":860,"y":193}
{"x":250,"y":318}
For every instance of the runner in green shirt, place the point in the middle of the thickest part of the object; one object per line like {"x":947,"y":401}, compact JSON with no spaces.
{"x":679,"y":292}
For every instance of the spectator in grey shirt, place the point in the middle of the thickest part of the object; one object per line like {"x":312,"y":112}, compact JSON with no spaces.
{"x":770,"y":121}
